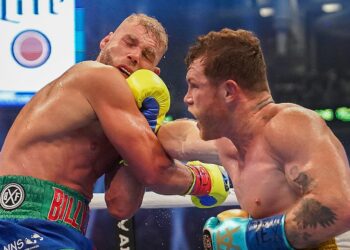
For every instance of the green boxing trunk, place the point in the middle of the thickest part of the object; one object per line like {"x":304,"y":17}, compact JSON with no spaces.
{"x":24,"y":197}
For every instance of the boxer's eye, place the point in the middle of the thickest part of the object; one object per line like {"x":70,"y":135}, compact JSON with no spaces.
{"x":149,"y":55}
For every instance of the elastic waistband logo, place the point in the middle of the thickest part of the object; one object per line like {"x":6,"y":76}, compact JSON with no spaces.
{"x":12,"y":196}
{"x":69,"y":210}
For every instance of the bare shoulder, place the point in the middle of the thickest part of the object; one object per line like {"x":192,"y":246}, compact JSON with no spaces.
{"x":293,"y":118}
{"x":90,"y":71}
{"x":293,"y":128}
{"x":92,"y":78}
{"x":84,"y":67}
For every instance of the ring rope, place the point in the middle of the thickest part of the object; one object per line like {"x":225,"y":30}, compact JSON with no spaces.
{"x":154,"y":200}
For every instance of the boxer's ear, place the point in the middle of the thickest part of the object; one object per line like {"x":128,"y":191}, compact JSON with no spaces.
{"x":156,"y":70}
{"x":105,"y":40}
{"x":231,"y":89}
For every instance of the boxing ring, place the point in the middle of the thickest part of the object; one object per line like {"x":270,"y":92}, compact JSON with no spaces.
{"x":154,"y":200}
{"x":169,"y":222}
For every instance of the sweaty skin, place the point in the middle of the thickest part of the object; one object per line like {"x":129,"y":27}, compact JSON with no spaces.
{"x":58,"y":136}
{"x":281,"y":158}
{"x":79,"y":126}
{"x":180,"y":138}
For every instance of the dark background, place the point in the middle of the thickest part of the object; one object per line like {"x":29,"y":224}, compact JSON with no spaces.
{"x":307,"y":52}
{"x":310,"y":66}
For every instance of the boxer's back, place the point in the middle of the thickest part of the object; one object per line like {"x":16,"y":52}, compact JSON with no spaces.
{"x":57,"y":136}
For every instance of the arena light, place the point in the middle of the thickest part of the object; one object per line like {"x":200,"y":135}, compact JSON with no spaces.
{"x":343,"y":114}
{"x":326,"y":114}
{"x":168,"y":118}
{"x":332,"y":114}
{"x":266,"y":11}
{"x":331,"y":7}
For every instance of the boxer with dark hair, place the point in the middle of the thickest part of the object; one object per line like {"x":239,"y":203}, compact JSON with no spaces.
{"x":290,"y":173}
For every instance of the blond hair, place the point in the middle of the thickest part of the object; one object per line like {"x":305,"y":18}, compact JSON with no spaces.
{"x":153,"y":26}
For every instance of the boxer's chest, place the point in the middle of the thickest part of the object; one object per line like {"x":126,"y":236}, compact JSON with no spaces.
{"x":260,"y":184}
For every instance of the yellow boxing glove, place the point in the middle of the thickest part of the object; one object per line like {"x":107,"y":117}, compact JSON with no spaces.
{"x":151,"y":95}
{"x":210,"y":186}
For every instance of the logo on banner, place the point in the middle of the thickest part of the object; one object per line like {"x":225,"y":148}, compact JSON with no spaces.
{"x":12,"y":196}
{"x":31,"y":33}
{"x":31,"y":48}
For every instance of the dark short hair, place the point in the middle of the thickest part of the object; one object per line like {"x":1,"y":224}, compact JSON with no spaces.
{"x":231,"y":54}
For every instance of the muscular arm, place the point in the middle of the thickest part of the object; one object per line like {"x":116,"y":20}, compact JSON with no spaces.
{"x":316,"y":167}
{"x":181,"y":140}
{"x":123,"y":187}
{"x":127,"y":129}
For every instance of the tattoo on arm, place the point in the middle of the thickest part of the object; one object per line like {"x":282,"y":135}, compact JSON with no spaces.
{"x":304,"y":182}
{"x":301,"y":179}
{"x":312,"y":213}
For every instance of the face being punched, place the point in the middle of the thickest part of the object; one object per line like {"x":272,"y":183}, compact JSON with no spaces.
{"x":131,"y":48}
{"x":204,"y":101}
